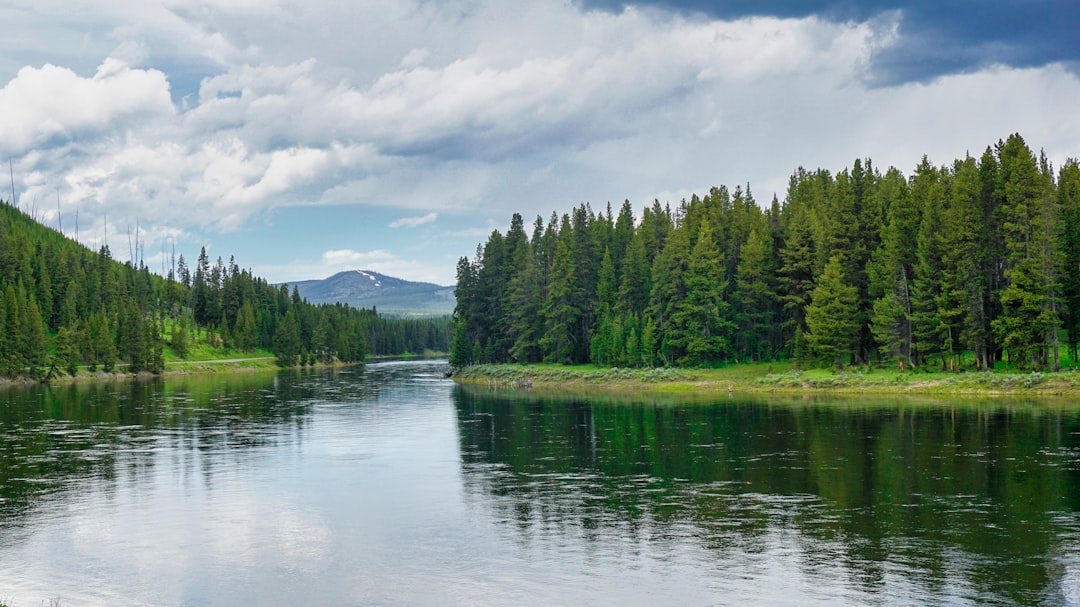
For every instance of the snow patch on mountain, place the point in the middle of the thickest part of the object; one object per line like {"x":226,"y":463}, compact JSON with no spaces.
{"x":385,"y":293}
{"x":375,"y":280}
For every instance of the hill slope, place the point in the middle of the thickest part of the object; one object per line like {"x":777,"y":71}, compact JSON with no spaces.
{"x":366,"y":289}
{"x":66,"y":310}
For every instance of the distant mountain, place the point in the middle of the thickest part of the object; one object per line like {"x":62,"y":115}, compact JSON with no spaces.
{"x":365,"y":289}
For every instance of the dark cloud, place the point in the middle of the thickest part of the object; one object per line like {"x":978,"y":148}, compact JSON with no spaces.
{"x":937,"y":37}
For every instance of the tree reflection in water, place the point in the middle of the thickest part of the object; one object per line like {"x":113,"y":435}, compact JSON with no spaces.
{"x":973,"y":501}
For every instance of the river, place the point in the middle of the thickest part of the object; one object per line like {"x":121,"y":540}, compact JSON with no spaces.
{"x":389,"y":485}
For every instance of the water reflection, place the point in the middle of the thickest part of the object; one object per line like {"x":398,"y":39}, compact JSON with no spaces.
{"x":257,"y":488}
{"x":884,"y":502}
{"x":57,"y":438}
{"x":389,"y":485}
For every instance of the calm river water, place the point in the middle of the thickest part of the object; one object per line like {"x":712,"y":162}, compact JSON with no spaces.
{"x":388,"y":485}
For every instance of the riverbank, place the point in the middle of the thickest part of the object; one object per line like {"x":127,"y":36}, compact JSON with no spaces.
{"x":203,"y":366}
{"x":769,"y":378}
{"x":172,"y":369}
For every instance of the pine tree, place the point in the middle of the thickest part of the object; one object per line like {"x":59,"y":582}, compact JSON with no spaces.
{"x":668,"y":294}
{"x":460,"y":348}
{"x":182,"y":271}
{"x":656,"y":226}
{"x":67,"y":350}
{"x":132,"y":337}
{"x":7,"y":349}
{"x":1068,"y":192}
{"x":33,"y":331}
{"x":525,"y":296}
{"x":635,"y":282}
{"x":322,"y":343}
{"x":832,"y":316}
{"x":622,"y":234}
{"x":102,"y":342}
{"x":1028,"y":323}
{"x":491,"y":281}
{"x":201,"y":297}
{"x":698,"y":326}
{"x":224,"y":333}
{"x":632,"y":355}
{"x":928,"y":193}
{"x":561,"y":310}
{"x":891,"y":269}
{"x":13,"y":363}
{"x":287,"y":344}
{"x":466,"y":313}
{"x":607,"y":341}
{"x":245,"y":334}
{"x":959,"y":301}
{"x":155,"y":335}
{"x":587,"y":255}
{"x":850,"y":231}
{"x":992,"y":259}
{"x":797,"y":273}
{"x":69,"y":307}
{"x":179,"y":340}
{"x":756,"y":319}
{"x":43,"y":288}
{"x":650,"y":343}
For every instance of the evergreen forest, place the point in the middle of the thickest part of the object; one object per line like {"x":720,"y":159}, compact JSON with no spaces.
{"x":969,"y":265}
{"x":63,"y":306}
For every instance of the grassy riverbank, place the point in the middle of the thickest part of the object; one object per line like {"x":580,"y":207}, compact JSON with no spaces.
{"x":172,"y":368}
{"x":202,"y":360}
{"x":770,"y":378}
{"x":207,"y":361}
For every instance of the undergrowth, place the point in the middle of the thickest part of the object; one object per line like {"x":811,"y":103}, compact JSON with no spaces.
{"x":763,"y":377}
{"x":557,"y":374}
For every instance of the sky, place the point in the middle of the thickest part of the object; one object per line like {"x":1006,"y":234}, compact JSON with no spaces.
{"x":308,"y":137}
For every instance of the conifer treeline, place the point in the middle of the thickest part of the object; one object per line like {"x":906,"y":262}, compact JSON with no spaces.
{"x":956,"y":266}
{"x":62,"y":305}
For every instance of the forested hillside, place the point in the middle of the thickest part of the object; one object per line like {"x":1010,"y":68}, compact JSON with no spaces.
{"x":958,"y":266}
{"x":63,"y":306}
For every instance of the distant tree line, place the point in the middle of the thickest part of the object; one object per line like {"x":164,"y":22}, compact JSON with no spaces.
{"x":62,"y":306}
{"x":962,"y":265}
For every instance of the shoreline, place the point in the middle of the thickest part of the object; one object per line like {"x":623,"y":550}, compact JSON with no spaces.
{"x":766,"y":378}
{"x":173,"y":369}
{"x":180,"y":368}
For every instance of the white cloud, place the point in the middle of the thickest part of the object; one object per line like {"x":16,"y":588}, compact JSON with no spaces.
{"x":479,"y":233}
{"x":50,"y":105}
{"x":443,"y":108}
{"x":349,"y":257}
{"x":412,"y":222}
{"x":342,"y":260}
{"x":415,"y":58}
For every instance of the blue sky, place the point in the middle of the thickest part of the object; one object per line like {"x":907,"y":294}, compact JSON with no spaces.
{"x":305,"y":138}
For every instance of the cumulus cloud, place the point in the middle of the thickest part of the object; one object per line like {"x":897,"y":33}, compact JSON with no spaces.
{"x":51,"y":105}
{"x":938,"y":38}
{"x":472,"y":112}
{"x":412,"y":222}
{"x":349,"y":257}
{"x":343,"y":260}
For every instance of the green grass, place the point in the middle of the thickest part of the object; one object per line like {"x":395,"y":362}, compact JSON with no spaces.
{"x":202,"y":356}
{"x":203,"y":351}
{"x":772,"y":377}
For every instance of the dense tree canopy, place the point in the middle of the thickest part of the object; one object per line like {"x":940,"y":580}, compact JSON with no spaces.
{"x":62,"y":306}
{"x":965,"y":264}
